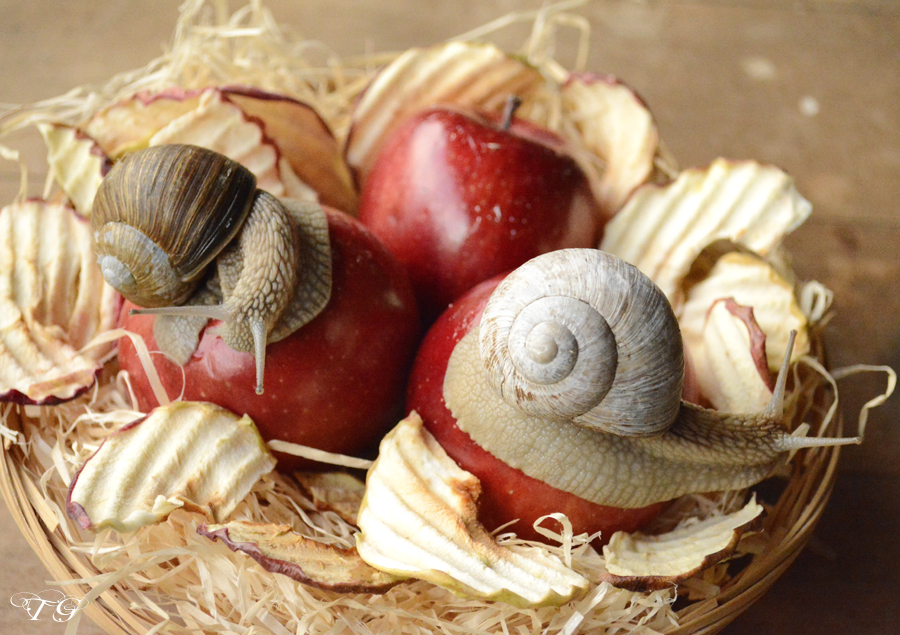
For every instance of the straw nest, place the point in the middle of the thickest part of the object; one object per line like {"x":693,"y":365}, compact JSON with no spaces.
{"x":167,"y":578}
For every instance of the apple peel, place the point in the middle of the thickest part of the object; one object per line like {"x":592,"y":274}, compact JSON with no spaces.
{"x":662,"y":229}
{"x":278,"y":549}
{"x":188,"y":454}
{"x":53,"y":302}
{"x":752,"y":282}
{"x":461,"y":74}
{"x":640,"y":562}
{"x":419,"y":520}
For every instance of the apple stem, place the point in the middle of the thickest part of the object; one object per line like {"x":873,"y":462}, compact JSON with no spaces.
{"x":512,"y":105}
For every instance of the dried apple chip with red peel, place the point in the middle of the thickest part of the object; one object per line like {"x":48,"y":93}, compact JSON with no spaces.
{"x":277,"y":548}
{"x":77,"y":163}
{"x":730,"y":363}
{"x":462,"y":74}
{"x":129,"y":124}
{"x":752,"y":282}
{"x":662,"y":229}
{"x":305,"y":141}
{"x":419,"y":520}
{"x":283,"y":141}
{"x":219,"y":124}
{"x":736,"y":323}
{"x":188,"y":454}
{"x":53,"y":301}
{"x":618,"y":128}
{"x":639,"y":562}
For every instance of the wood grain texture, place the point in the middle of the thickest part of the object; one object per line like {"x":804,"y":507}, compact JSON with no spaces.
{"x":811,"y":86}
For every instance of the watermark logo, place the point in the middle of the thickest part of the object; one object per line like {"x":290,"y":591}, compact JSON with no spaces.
{"x":49,"y":603}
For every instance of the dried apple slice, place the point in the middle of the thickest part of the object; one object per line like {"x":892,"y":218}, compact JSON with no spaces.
{"x":188,"y":454}
{"x":339,"y":492}
{"x":129,"y":124}
{"x":618,"y":128}
{"x":463,"y":74}
{"x":53,"y":301}
{"x":639,"y":562}
{"x":419,"y":520}
{"x":730,"y":359}
{"x":304,"y":140}
{"x":212,"y":119}
{"x":77,"y":163}
{"x":662,"y":229}
{"x":755,"y":283}
{"x":277,"y":548}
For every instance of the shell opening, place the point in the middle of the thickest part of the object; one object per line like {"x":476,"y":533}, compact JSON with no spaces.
{"x":116,"y":273}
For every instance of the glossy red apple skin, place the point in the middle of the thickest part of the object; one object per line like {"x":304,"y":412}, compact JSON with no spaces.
{"x":336,"y":384}
{"x":457,"y":199}
{"x":507,"y":493}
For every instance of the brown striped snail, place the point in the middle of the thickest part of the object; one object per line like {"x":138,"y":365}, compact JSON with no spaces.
{"x":164,"y":215}
{"x":574,"y":377}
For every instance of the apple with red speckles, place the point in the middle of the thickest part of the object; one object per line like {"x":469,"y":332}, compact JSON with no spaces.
{"x":459,"y":197}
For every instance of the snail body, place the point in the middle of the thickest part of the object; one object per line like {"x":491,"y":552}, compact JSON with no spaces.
{"x":584,"y":447}
{"x":183,"y":231}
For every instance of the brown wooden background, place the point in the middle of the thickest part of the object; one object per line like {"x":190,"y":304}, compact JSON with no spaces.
{"x":810,"y":85}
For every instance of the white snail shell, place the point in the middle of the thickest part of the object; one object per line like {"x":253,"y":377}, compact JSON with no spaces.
{"x":580,"y":335}
{"x":630,"y":449}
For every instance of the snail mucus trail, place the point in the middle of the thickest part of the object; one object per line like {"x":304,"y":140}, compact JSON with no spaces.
{"x":574,"y":376}
{"x":183,"y":232}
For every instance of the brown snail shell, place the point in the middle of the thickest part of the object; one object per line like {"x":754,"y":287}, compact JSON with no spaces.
{"x":166,"y":214}
{"x":162,"y":215}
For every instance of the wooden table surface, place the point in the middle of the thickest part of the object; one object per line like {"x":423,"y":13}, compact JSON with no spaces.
{"x":810,"y":85}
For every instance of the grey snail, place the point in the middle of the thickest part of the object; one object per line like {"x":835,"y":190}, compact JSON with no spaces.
{"x":183,"y":232}
{"x":574,"y":376}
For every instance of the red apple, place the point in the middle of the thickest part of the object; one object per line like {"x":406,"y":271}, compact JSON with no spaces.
{"x":507,"y":493}
{"x":459,"y":198}
{"x":336,"y":384}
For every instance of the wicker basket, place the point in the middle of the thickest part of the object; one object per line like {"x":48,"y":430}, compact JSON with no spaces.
{"x":34,"y":484}
{"x":35,"y":494}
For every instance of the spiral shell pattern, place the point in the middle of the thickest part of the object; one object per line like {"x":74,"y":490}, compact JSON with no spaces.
{"x":580,"y":335}
{"x":162,"y":214}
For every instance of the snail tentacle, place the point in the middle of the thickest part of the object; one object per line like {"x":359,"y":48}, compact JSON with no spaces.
{"x":164,"y":214}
